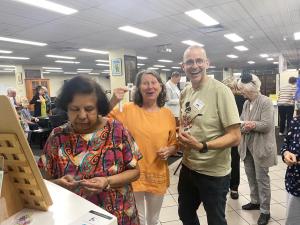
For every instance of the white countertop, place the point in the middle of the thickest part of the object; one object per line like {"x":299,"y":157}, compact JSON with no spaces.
{"x":67,"y":208}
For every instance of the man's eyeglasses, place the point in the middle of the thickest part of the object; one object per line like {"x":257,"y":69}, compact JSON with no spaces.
{"x":191,"y":62}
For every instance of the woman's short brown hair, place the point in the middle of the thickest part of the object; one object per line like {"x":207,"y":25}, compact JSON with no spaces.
{"x":138,"y":98}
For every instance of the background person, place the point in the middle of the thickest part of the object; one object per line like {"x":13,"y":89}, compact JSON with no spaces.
{"x":26,"y":116}
{"x":258,"y":145}
{"x":232,"y":83}
{"x":173,"y":94}
{"x":93,"y":156}
{"x":11,"y":94}
{"x":286,"y":104}
{"x":39,"y":101}
{"x":48,"y":100}
{"x":153,"y":127}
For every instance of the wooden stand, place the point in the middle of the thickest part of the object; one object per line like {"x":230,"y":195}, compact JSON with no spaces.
{"x":23,"y":185}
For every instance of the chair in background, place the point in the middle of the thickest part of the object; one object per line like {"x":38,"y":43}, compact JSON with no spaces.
{"x":57,"y":120}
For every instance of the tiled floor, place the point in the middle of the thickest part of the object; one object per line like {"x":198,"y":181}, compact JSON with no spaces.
{"x":234,"y":213}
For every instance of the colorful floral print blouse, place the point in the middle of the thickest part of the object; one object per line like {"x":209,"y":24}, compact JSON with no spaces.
{"x":106,"y":152}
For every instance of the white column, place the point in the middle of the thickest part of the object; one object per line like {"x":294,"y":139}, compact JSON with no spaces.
{"x":117,"y":71}
{"x":20,"y":81}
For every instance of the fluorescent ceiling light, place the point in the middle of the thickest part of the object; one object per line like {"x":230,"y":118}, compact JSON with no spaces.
{"x":60,"y":57}
{"x":22,"y":41}
{"x":54,"y":71}
{"x":159,"y":66}
{"x":176,"y":67}
{"x":101,"y":64}
{"x":241,"y":48}
{"x":152,"y":68}
{"x":141,"y":57}
{"x":9,"y":69}
{"x":232,"y":56}
{"x":84,"y":69}
{"x":69,"y":62}
{"x":93,"y":73}
{"x":102,"y":60}
{"x":70,"y":73}
{"x":5,"y":51}
{"x":291,"y":70}
{"x":270,"y":59}
{"x":264,"y":55}
{"x":251,"y":62}
{"x":192,"y":43}
{"x":237,"y":74}
{"x":7,"y":66}
{"x":52,"y":68}
{"x":275,"y":62}
{"x":233,"y":37}
{"x":211,"y":67}
{"x":51,"y":6}
{"x":106,"y":72}
{"x":94,"y":51}
{"x":5,"y":71}
{"x":165,"y":60}
{"x":202,"y":17}
{"x":297,"y":36}
{"x":166,"y":69}
{"x":137,"y":31}
{"x":13,"y":57}
{"x":141,"y":64}
{"x":45,"y":72}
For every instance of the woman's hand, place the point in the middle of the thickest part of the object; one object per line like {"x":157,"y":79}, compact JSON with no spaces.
{"x":118,"y":95}
{"x":289,"y":158}
{"x":67,"y":182}
{"x":165,"y":152}
{"x":249,"y":126}
{"x":94,"y":185}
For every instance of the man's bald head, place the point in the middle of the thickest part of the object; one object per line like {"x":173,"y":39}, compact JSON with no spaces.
{"x":194,"y":47}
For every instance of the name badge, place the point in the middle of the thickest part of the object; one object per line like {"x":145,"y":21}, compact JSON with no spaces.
{"x":198,"y":104}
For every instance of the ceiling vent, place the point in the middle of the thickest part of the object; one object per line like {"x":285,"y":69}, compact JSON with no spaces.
{"x":165,"y":48}
{"x":211,"y":29}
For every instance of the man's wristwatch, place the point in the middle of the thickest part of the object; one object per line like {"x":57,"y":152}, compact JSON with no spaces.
{"x":204,"y":149}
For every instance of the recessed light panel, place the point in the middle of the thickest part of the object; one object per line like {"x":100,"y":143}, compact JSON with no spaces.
{"x":202,"y":17}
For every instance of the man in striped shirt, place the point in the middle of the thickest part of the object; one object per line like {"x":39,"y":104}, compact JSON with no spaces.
{"x":286,"y":104}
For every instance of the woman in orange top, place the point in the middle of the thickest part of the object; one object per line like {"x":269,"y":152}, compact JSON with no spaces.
{"x":154,"y":129}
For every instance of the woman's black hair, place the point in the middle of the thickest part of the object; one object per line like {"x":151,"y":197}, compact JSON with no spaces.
{"x":37,"y":90}
{"x":138,"y":98}
{"x":82,"y":85}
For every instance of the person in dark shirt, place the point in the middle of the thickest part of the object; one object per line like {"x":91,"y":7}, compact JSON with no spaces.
{"x":231,"y":82}
{"x":290,"y":152}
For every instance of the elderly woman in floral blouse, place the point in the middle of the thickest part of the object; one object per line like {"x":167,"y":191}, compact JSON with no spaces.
{"x":92,"y":155}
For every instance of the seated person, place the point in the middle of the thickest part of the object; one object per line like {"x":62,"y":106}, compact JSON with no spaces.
{"x":26,"y":116}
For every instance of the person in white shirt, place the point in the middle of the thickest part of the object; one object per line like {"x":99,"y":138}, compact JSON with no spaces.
{"x":286,"y":102}
{"x":11,"y":94}
{"x":173,"y":94}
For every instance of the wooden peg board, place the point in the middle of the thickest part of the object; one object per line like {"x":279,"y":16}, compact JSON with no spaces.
{"x":23,"y":185}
